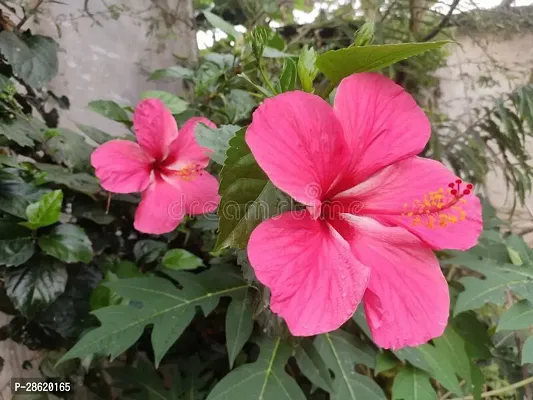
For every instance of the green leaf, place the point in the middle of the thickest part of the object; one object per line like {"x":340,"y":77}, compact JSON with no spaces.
{"x":341,"y":353}
{"x":16,"y":244}
{"x":44,"y":212}
{"x":265,"y":379}
{"x":287,"y":81}
{"x":258,"y":38}
{"x":109,"y":109}
{"x":68,"y":243}
{"x":216,"y":140}
{"x":239,"y":105}
{"x":365,"y":35}
{"x":69,"y":148}
{"x":16,"y":195}
{"x":270,"y":52}
{"x":385,"y":361}
{"x":412,"y":384}
{"x":519,"y":250}
{"x":148,"y":251}
{"x":33,"y":58}
{"x":80,"y":182}
{"x":247,"y":196}
{"x":452,"y":344}
{"x":492,"y":289}
{"x":165,"y":306}
{"x":307,"y":70}
{"x":338,"y":64}
{"x":519,"y":316}
{"x":23,"y":130}
{"x":239,"y":325}
{"x":180,"y":259}
{"x":527,"y":351}
{"x":175,"y":72}
{"x":224,"y":26}
{"x":95,"y":134}
{"x":175,"y":104}
{"x":313,"y":366}
{"x":440,"y":363}
{"x":414,"y":356}
{"x":33,"y":287}
{"x":264,"y":91}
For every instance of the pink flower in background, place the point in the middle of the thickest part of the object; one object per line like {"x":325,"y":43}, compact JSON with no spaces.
{"x":167,"y":166}
{"x":374,"y":212}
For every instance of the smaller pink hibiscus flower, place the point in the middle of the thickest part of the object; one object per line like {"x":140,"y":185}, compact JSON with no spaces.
{"x":374,"y":212}
{"x":167,"y":166}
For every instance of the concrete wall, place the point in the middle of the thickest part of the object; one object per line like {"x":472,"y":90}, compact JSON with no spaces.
{"x":104,"y":58}
{"x":508,"y":61}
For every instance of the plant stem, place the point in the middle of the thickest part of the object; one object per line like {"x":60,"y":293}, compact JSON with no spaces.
{"x":328,"y":90}
{"x":495,"y":392}
{"x":265,"y":78}
{"x":29,"y":15}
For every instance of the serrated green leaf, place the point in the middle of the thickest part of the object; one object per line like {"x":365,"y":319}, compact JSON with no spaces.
{"x":492,"y":289}
{"x":175,"y":72}
{"x":224,"y":26}
{"x":67,"y":243}
{"x":16,"y":243}
{"x":165,"y":306}
{"x":80,"y":182}
{"x":365,"y":35}
{"x":514,"y":256}
{"x":264,"y":91}
{"x":239,"y":325}
{"x":110,"y":109}
{"x":414,"y":356}
{"x":412,"y":384}
{"x":287,"y":81}
{"x":33,"y":287}
{"x":239,"y":105}
{"x":247,"y":196}
{"x":69,"y":148}
{"x":33,"y":58}
{"x":23,"y":130}
{"x":442,"y":370}
{"x":265,"y":379}
{"x":216,"y":139}
{"x":527,"y":351}
{"x":16,"y":195}
{"x":44,"y":212}
{"x":95,"y":134}
{"x":517,"y":244}
{"x":452,"y":344}
{"x":341,"y":353}
{"x":313,"y":366}
{"x":519,"y":316}
{"x":307,"y":70}
{"x":338,"y":64}
{"x":148,"y":251}
{"x":180,"y":259}
{"x":175,"y":104}
{"x":385,"y":361}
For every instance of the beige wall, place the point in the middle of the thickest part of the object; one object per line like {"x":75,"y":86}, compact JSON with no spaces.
{"x":509,"y":62}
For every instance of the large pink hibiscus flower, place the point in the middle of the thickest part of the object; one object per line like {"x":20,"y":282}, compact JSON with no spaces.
{"x":374,"y":212}
{"x":166,"y":166}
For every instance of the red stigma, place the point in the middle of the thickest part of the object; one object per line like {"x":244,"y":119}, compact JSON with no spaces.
{"x":469,"y":186}
{"x":451,"y":185}
{"x":454,"y":192}
{"x":458,"y":181}
{"x":466,"y":191}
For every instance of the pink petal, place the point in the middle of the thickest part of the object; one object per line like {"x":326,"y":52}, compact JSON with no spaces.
{"x":185,"y":150}
{"x":297,"y":140}
{"x":200,"y":193}
{"x":161,"y":208}
{"x":407,"y":301}
{"x":381,"y":122}
{"x":396,"y":191}
{"x":315,"y":282}
{"x":122,"y":166}
{"x":155,"y":127}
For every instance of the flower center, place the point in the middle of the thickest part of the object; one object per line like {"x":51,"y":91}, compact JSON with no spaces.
{"x":187,"y":172}
{"x":440,"y":208}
